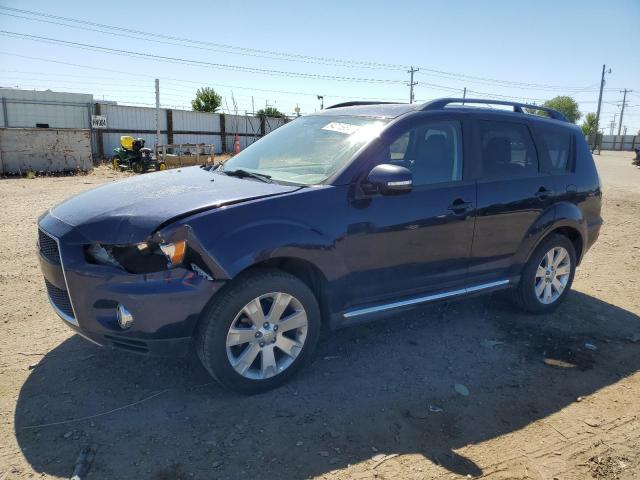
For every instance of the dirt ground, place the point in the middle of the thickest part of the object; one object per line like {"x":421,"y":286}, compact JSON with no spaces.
{"x":448,"y":391}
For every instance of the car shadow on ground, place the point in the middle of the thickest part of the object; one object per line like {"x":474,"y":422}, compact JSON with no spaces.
{"x":382,"y":388}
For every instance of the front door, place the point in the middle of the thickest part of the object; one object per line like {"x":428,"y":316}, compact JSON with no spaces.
{"x":418,"y":242}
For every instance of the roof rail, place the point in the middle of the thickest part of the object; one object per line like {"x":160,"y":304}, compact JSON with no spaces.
{"x":517,"y":106}
{"x":355,"y":104}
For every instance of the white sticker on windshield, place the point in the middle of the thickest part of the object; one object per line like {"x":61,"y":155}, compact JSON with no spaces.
{"x":345,"y":128}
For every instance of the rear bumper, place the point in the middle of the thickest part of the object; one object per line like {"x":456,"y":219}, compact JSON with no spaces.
{"x":165,"y":305}
{"x":593,"y":232}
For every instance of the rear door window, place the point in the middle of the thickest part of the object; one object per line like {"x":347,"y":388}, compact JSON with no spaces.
{"x":507,"y":150}
{"x":557,"y":148}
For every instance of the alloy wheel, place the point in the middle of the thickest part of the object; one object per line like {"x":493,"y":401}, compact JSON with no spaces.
{"x":267,"y":335}
{"x":552,"y":275}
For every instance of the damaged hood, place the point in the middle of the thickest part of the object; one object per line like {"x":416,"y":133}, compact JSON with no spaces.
{"x":130,"y":210}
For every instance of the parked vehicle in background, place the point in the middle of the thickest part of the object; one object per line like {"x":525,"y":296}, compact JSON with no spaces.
{"x":348,"y":215}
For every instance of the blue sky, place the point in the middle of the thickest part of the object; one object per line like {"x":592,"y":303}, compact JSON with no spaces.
{"x":524,"y":50}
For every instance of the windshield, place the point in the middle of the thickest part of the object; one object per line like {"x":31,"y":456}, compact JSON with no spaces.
{"x":307,"y":150}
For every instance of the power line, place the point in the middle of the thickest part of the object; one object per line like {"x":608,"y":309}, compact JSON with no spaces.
{"x":272,"y":54}
{"x":210,"y":49}
{"x":504,"y":83}
{"x":237,"y":49}
{"x":182,"y":81}
{"x":163,"y":58}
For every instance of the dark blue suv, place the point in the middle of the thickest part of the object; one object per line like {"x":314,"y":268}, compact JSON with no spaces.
{"x":344,"y":216}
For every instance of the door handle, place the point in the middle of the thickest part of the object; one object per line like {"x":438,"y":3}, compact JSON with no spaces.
{"x":544,"y":193}
{"x":459,"y":206}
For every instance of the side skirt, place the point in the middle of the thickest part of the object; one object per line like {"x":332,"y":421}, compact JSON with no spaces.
{"x":374,"y":312}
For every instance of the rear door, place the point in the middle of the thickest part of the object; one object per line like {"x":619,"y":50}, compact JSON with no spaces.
{"x":513,"y":192}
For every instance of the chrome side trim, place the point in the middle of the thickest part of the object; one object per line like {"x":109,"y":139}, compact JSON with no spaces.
{"x":61,"y":314}
{"x":425,"y":299}
{"x":484,"y":286}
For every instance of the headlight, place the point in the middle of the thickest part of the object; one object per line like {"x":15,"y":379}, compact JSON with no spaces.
{"x":146,"y":257}
{"x":174,"y":251}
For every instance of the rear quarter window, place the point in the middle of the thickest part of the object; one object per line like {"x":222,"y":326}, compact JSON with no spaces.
{"x":557,"y":149}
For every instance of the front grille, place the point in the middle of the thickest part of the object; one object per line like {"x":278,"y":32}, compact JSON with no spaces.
{"x":48,"y":247}
{"x":60,"y":298}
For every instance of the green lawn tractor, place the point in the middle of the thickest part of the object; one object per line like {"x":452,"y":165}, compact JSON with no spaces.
{"x":132,"y":155}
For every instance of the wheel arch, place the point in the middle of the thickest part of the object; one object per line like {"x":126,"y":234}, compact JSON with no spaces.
{"x":307,"y":272}
{"x":562,"y":218}
{"x":571,"y":228}
{"x":304,"y":270}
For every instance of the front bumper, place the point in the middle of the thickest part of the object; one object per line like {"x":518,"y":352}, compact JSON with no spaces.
{"x":165,"y":305}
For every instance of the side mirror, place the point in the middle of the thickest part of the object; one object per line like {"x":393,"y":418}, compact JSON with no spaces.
{"x":388,"y":179}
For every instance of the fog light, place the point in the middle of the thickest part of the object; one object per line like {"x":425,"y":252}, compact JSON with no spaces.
{"x":125,"y":319}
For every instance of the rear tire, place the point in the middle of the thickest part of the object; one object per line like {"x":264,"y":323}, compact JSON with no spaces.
{"x":244,"y":340}
{"x":547,"y":276}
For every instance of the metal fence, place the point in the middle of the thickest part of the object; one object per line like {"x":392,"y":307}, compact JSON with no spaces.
{"x":26,"y":109}
{"x":620,"y":142}
{"x":179,"y":127}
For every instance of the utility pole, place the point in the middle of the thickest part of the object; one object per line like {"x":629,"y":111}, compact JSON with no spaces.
{"x":613,"y":124}
{"x":157,"y":112}
{"x":412,"y":83}
{"x":600,"y":96}
{"x":253,"y":107}
{"x":624,"y":100}
{"x":464,"y":95}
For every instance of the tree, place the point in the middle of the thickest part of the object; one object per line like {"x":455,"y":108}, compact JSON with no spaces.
{"x":269,"y":112}
{"x":565,"y":105}
{"x":589,"y":125}
{"x":207,"y":100}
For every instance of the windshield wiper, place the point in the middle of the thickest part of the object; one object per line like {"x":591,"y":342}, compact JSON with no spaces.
{"x":240,"y":173}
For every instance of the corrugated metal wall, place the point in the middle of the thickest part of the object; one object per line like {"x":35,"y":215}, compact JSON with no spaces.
{"x":195,"y":121}
{"x":27,"y":108}
{"x":139,"y":122}
{"x":45,"y":96}
{"x":272,"y":123}
{"x":620,"y":142}
{"x":133,"y":119}
{"x":187,"y":127}
{"x":56,"y":116}
{"x":214,"y":140}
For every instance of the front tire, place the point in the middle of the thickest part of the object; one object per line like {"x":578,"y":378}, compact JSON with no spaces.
{"x":547,"y":276}
{"x":258,"y":332}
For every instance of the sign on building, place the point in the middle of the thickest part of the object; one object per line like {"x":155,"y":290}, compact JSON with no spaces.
{"x":98,"y":121}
